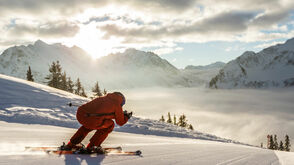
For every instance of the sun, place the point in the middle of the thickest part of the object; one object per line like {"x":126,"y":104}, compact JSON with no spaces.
{"x":91,"y":40}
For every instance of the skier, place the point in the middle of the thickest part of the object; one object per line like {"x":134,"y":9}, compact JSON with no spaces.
{"x":97,"y":115}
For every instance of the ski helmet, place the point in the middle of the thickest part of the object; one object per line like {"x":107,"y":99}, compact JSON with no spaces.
{"x":123,"y":97}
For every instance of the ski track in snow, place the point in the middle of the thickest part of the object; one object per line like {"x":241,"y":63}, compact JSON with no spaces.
{"x":155,"y":149}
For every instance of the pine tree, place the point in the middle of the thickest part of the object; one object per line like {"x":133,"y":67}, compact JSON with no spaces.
{"x":287,"y":143}
{"x":70,"y":85}
{"x":104,"y":92}
{"x":97,"y":91}
{"x":190,"y":127}
{"x":58,"y":75}
{"x":83,"y":93}
{"x":29,"y":75}
{"x":63,"y":83}
{"x":271,"y":143}
{"x":276,"y":145}
{"x":175,"y":120}
{"x":182,"y":121}
{"x":55,"y":75}
{"x":78,"y":85}
{"x":162,"y":119}
{"x":169,"y":120}
{"x":281,"y":147}
{"x":52,"y":78}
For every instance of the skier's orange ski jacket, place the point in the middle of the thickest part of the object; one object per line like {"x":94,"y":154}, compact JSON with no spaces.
{"x":98,"y":113}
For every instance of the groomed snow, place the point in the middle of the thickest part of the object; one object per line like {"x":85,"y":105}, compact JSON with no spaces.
{"x":156,"y":149}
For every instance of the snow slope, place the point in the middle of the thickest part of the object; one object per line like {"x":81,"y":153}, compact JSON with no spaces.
{"x":26,"y":102}
{"x":271,"y":67}
{"x":155,"y":149}
{"x":30,"y":103}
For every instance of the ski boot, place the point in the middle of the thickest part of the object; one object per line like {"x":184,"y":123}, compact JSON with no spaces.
{"x":70,"y":146}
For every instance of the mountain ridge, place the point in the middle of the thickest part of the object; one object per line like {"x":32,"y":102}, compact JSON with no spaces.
{"x":271,"y":67}
{"x":132,"y":68}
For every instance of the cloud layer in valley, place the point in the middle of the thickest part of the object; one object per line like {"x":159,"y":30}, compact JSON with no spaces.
{"x":244,"y":115}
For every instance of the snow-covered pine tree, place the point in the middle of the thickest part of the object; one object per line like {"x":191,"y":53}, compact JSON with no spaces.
{"x":276,"y":145}
{"x":70,"y":85}
{"x":169,"y":120}
{"x":63,"y":83}
{"x":175,"y":120}
{"x":78,"y":85}
{"x":190,"y":127}
{"x":271,"y":143}
{"x":58,"y":74}
{"x":281,"y":146}
{"x":29,"y":75}
{"x":83,"y":93}
{"x":96,"y":90}
{"x":104,"y":92}
{"x":287,"y":143}
{"x":162,"y":119}
{"x":54,"y":78}
{"x":182,"y":121}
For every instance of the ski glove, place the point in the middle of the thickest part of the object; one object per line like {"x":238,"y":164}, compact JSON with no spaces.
{"x":128,"y":114}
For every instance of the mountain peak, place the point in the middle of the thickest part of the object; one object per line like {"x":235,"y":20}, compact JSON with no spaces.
{"x":40,"y":43}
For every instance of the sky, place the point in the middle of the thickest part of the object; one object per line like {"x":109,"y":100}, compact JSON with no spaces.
{"x":186,"y":32}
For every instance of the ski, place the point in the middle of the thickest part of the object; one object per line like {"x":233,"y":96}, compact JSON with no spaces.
{"x":108,"y":151}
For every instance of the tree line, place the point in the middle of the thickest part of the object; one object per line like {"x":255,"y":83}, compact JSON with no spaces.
{"x":58,"y":79}
{"x":183,"y":122}
{"x":274,"y":145}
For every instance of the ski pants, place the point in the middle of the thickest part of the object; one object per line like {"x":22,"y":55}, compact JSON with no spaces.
{"x":99,"y":136}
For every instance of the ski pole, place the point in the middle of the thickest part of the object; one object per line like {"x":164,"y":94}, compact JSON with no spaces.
{"x":71,"y":104}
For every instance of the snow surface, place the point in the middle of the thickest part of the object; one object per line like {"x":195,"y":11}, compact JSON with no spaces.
{"x":155,"y":149}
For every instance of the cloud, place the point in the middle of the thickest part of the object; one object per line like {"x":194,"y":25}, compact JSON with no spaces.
{"x":268,"y":44}
{"x":167,"y":50}
{"x":72,"y":7}
{"x":140,"y":23}
{"x":227,"y":22}
{"x":234,"y":114}
{"x":47,"y":29}
{"x":269,"y":19}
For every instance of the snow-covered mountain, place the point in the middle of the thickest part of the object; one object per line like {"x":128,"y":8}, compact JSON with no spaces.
{"x":201,"y":75}
{"x":271,"y":67}
{"x":216,"y":65}
{"x":132,"y":68}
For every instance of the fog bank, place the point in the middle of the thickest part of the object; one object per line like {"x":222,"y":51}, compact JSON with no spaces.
{"x":243,"y":115}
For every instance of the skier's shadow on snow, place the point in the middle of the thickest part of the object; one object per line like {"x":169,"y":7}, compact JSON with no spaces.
{"x":79,"y":159}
